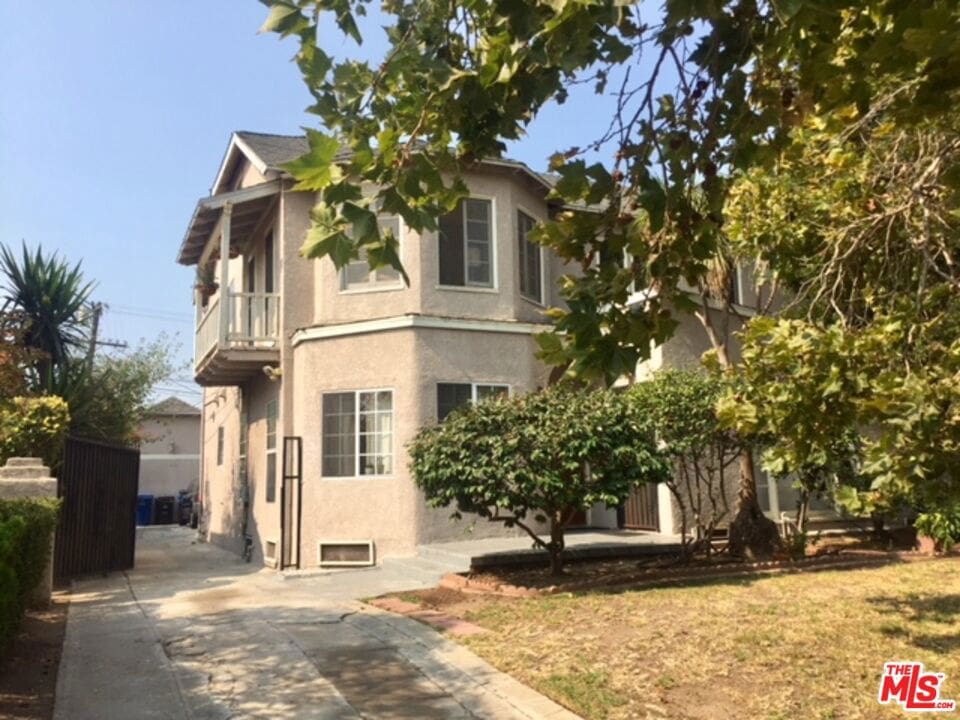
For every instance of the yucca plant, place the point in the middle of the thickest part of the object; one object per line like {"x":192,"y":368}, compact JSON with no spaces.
{"x":50,"y":296}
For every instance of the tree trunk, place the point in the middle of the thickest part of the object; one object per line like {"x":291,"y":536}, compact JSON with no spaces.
{"x":556,"y":544}
{"x":752,"y":534}
{"x":803,"y":510}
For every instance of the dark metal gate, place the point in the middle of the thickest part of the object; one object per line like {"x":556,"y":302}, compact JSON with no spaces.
{"x":641,"y":511}
{"x":97,"y":485}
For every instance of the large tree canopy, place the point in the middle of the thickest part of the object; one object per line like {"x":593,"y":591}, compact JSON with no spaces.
{"x":815,"y":141}
{"x":701,"y":93}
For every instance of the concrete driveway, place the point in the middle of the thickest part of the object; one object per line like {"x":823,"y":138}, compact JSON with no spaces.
{"x":194,"y":632}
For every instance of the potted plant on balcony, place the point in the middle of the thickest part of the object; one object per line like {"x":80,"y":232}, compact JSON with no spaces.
{"x":206,"y":281}
{"x":234,"y":253}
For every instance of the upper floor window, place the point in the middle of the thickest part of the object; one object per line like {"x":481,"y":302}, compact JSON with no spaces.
{"x":451,"y":396}
{"x":531,"y":270}
{"x":220,"y":444}
{"x":357,"y":275}
{"x":466,"y":244}
{"x":357,"y":433}
{"x":734,"y":289}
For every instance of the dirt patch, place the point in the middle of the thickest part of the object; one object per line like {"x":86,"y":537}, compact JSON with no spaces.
{"x":28,"y":669}
{"x":450,"y":601}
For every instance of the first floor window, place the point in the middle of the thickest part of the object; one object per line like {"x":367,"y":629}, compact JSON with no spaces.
{"x":451,"y":396}
{"x":272,"y":451}
{"x":357,"y":433}
{"x":531,"y":273}
{"x":220,"y":445}
{"x":466,"y":244}
{"x":357,"y":275}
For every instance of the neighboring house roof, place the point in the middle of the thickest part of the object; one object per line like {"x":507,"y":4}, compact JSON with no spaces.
{"x":172,"y":406}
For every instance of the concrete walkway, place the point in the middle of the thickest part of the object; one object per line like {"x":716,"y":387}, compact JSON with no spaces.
{"x":195,"y":633}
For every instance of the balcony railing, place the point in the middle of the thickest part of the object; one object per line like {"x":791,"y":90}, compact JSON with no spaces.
{"x":252,"y":321}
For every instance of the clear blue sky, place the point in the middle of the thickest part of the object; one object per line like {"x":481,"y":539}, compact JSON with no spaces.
{"x":114,"y":116}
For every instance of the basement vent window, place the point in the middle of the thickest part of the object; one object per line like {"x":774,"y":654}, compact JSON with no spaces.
{"x":345,"y":553}
{"x":270,"y":552}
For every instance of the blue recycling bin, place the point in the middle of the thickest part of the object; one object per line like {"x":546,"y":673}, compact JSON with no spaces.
{"x":144,"y":509}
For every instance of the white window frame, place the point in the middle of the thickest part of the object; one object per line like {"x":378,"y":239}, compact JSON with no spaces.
{"x":275,"y":402}
{"x":542,"y":302}
{"x":467,"y":286}
{"x":374,"y":287}
{"x":356,"y":433}
{"x":473,"y":388}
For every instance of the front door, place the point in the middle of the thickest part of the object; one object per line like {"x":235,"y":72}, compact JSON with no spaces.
{"x":640,"y":511}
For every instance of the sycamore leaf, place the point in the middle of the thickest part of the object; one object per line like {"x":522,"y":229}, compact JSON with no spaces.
{"x":320,"y":242}
{"x":316,"y":169}
{"x":386,"y":253}
{"x":284,"y":19}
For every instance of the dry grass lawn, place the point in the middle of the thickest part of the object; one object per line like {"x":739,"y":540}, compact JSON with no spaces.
{"x":781,"y":647}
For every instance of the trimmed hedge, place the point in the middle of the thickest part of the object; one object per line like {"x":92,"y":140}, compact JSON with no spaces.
{"x":26,"y":526}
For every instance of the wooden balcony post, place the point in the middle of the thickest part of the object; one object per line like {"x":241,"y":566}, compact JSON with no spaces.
{"x":225,"y":309}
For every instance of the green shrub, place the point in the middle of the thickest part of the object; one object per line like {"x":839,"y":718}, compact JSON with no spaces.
{"x":943,"y":527}
{"x":34,"y":427}
{"x":537,"y":457}
{"x":26,"y":526}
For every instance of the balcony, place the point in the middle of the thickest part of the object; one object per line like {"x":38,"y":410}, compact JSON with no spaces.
{"x":237,"y":334}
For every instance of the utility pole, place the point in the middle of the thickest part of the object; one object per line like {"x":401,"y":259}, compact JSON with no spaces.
{"x":97,"y":310}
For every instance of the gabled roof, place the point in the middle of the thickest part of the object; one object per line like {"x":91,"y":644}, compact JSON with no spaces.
{"x":268,"y":152}
{"x":172,"y":406}
{"x":274,"y":150}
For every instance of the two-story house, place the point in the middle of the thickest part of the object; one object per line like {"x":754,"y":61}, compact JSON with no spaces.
{"x":315,"y":379}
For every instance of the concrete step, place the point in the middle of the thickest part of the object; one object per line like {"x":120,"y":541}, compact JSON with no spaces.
{"x":24,"y":472}
{"x":457,"y":561}
{"x":423,"y":569}
{"x":24,"y":462}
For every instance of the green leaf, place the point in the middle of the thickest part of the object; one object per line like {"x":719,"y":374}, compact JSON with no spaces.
{"x":283,"y":18}
{"x":316,"y":169}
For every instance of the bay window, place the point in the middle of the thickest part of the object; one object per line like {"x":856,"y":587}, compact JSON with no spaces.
{"x":466,"y":245}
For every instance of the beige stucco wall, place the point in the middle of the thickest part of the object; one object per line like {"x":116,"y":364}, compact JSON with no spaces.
{"x":264,"y":519}
{"x":221,"y":490}
{"x":688,"y":344}
{"x":410,"y":362}
{"x":170,"y":454}
{"x":318,"y":283}
{"x":458,"y":356}
{"x":382,"y":509}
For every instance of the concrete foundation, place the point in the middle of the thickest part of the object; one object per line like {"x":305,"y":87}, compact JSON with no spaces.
{"x":30,"y":478}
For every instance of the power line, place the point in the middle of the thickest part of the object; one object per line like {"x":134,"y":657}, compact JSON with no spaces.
{"x":180,"y":320}
{"x":132,"y":309}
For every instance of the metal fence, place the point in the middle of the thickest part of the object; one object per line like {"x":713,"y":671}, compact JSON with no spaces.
{"x":97,"y":485}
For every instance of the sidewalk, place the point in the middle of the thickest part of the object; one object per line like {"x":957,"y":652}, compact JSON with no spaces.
{"x":193,"y":633}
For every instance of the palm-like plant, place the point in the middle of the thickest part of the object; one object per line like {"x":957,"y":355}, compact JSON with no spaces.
{"x":50,"y":296}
